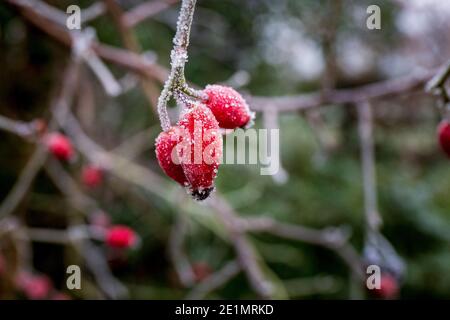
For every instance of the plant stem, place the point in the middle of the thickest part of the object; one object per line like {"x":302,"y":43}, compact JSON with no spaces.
{"x":176,"y":80}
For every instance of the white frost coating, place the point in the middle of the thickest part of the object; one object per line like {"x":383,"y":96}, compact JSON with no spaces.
{"x":178,"y":58}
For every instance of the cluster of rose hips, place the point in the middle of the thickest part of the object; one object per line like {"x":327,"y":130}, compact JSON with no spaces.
{"x":62,"y":149}
{"x":199,"y":129}
{"x":116,"y":237}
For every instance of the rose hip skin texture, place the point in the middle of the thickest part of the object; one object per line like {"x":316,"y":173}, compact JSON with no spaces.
{"x":120,"y":236}
{"x":203,"y":141}
{"x":91,"y":176}
{"x":444,"y":136}
{"x":165,"y":143}
{"x":228,"y":106}
{"x":59,"y":145}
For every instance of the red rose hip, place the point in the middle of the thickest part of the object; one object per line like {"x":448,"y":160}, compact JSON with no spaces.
{"x":444,"y":136}
{"x":201,"y":150}
{"x":35,"y":287}
{"x":389,"y":288}
{"x":121,"y":237}
{"x":60,"y":146}
{"x":166,"y":155}
{"x":91,"y":176}
{"x":228,"y":106}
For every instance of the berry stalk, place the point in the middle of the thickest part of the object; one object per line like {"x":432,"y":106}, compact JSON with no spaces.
{"x":178,"y":56}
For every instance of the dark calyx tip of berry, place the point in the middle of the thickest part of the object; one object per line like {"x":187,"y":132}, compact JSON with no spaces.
{"x":203,"y":194}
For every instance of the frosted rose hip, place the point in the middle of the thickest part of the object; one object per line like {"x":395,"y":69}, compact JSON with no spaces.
{"x":165,"y":143}
{"x":200,"y":160}
{"x":228,"y":106}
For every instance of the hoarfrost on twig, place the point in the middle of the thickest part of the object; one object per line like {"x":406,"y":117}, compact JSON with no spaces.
{"x":176,"y":80}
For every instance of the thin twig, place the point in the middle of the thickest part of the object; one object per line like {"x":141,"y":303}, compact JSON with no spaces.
{"x":146,"y":10}
{"x":121,"y":57}
{"x":70,"y":189}
{"x":92,"y":12}
{"x":440,"y":78}
{"x":131,"y":43}
{"x":244,"y":250}
{"x":378,"y":90}
{"x":20,"y":128}
{"x":95,"y":261}
{"x":176,"y":251}
{"x":365,"y":121}
{"x":37,"y":159}
{"x":215,"y":281}
{"x":176,"y":81}
{"x":24,"y":181}
{"x":117,"y":165}
{"x":335,"y":239}
{"x":137,"y":64}
{"x":138,"y":143}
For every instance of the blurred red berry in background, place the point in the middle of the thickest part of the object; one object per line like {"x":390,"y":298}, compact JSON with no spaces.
{"x":444,"y":136}
{"x":60,"y":146}
{"x":120,"y":236}
{"x":91,"y":176}
{"x":35,"y":287}
{"x":389,"y":288}
{"x":201,"y":270}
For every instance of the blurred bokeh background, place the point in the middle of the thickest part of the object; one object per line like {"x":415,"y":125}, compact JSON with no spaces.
{"x":261,"y":48}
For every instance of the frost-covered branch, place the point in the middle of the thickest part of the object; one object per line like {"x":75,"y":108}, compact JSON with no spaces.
{"x":120,"y":57}
{"x":437,"y":85}
{"x":20,"y":128}
{"x":333,"y":238}
{"x":377,"y":90}
{"x":141,"y":66}
{"x":131,"y":43}
{"x":244,"y":250}
{"x":178,"y":58}
{"x":440,"y":78}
